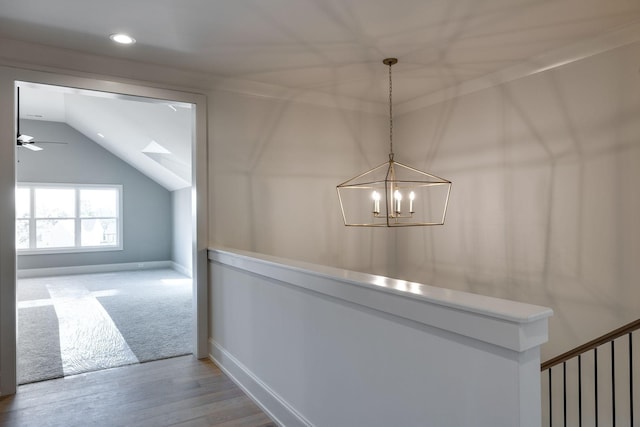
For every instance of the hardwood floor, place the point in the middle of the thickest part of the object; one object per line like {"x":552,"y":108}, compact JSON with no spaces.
{"x":181,"y":391}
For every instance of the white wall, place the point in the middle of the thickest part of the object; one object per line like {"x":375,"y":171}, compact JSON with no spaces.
{"x":328,"y":347}
{"x":542,"y":208}
{"x":545,"y":202}
{"x":182,"y":230}
{"x":8,"y":298}
{"x":273,"y":169}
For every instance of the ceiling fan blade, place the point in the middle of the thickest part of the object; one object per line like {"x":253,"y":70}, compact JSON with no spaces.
{"x":27,"y":141}
{"x":25,"y":138}
{"x":32,"y":147}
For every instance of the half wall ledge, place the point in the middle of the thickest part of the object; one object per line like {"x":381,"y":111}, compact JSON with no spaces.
{"x":513,"y":325}
{"x":322,"y":346}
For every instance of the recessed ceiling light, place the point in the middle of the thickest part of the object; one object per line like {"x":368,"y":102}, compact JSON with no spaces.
{"x":122,"y":38}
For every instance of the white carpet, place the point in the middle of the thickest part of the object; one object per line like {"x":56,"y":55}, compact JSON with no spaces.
{"x":73,"y":324}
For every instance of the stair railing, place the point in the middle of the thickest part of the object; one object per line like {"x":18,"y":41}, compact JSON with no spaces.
{"x":593,"y":415}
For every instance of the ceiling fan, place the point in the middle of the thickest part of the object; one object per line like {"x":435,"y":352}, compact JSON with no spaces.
{"x":27,"y":141}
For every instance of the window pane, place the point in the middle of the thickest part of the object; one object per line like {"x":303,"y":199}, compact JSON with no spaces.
{"x":22,"y":234}
{"x":55,"y":203}
{"x":99,"y":232}
{"x":98,"y":202}
{"x":23,"y":202}
{"x":55,"y":233}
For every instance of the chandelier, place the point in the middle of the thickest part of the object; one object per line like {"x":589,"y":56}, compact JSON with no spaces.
{"x":393,"y":194}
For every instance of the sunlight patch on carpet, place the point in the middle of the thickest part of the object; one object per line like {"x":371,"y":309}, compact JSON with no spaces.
{"x":81,"y":323}
{"x":89,"y":340}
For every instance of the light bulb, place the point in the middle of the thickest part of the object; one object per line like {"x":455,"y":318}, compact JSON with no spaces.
{"x":376,"y":202}
{"x":398,"y":205}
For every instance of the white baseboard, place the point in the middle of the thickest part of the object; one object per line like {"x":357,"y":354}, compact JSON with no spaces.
{"x":269,"y":401}
{"x":181,"y":269}
{"x":89,"y":269}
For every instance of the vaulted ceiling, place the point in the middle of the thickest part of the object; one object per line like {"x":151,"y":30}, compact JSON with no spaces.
{"x":153,"y":136}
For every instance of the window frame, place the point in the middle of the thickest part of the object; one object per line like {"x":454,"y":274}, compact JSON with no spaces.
{"x":77,"y":218}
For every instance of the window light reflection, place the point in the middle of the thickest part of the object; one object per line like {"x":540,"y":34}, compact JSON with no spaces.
{"x":400,"y":285}
{"x":176,"y":282}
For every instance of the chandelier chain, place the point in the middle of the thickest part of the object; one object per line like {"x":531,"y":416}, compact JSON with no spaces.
{"x":390,"y":115}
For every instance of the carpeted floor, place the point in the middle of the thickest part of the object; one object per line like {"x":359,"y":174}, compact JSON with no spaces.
{"x":80,"y":323}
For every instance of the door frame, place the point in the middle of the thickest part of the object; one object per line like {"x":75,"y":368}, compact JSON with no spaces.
{"x":8,"y":308}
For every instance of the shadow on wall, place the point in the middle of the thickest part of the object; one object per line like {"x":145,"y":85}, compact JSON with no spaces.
{"x":276,"y":163}
{"x":543,"y":207}
{"x":275,"y":168}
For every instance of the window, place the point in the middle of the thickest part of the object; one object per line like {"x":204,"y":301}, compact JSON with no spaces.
{"x":68,"y":218}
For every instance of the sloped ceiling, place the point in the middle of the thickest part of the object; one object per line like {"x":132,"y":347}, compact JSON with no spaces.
{"x":150,"y":135}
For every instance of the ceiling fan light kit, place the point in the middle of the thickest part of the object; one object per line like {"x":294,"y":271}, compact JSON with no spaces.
{"x":393,"y":194}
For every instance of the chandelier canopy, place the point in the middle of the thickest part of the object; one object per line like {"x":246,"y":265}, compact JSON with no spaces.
{"x":393,"y":194}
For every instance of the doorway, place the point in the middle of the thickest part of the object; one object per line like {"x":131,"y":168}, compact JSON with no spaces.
{"x":103,"y":189}
{"x":9,"y":78}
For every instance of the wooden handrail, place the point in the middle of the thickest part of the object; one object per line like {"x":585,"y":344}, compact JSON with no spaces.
{"x":626,"y":329}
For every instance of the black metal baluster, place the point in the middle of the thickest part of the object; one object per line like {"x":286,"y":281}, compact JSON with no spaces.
{"x":613,"y":383}
{"x":595,"y":364}
{"x":631,"y":378}
{"x":609,"y":338}
{"x":550,"y":403}
{"x":564,"y":392}
{"x":580,"y":390}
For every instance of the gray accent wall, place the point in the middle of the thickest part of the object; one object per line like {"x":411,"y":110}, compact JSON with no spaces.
{"x":182,"y":230}
{"x":147,"y":212}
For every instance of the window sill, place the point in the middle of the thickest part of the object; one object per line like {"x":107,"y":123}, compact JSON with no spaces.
{"x":68,"y":250}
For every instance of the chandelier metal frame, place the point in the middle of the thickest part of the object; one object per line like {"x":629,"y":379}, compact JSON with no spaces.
{"x":428,"y":194}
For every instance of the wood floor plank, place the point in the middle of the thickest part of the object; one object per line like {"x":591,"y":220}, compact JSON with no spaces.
{"x":256,"y":420}
{"x":181,"y":391}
